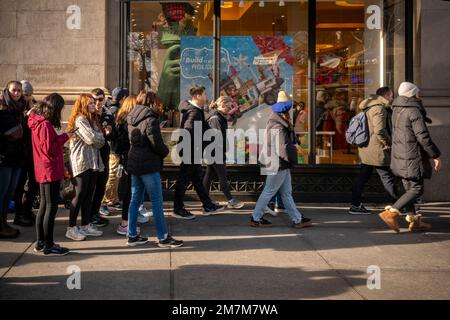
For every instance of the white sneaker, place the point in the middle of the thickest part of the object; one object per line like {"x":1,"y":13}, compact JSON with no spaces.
{"x":235,"y":204}
{"x":270,"y":211}
{"x":142,"y":219}
{"x":144,"y":212}
{"x":74,"y":233}
{"x":91,"y":230}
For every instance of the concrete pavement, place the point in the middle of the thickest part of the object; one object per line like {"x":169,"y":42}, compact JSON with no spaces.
{"x":224,"y":258}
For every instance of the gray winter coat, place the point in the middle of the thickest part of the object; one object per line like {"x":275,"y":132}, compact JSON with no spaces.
{"x":412,"y":146}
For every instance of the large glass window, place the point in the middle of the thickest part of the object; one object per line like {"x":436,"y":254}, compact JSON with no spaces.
{"x":264,"y":47}
{"x":360,"y":47}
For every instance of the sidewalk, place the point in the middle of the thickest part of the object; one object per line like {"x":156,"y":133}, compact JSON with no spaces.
{"x":224,"y":258}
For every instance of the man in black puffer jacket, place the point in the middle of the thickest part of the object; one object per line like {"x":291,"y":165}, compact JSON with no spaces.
{"x":412,"y":149}
{"x":191,"y":113}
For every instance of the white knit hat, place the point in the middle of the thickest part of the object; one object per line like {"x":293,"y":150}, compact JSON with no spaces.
{"x":408,"y":89}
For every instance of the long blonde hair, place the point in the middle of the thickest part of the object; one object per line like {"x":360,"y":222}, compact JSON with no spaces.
{"x":127,"y":106}
{"x":81,"y":108}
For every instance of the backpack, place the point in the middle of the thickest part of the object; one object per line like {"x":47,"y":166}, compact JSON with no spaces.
{"x":358,"y":130}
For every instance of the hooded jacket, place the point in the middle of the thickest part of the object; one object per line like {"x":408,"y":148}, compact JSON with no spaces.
{"x":147,"y":148}
{"x":378,"y":152}
{"x":47,"y":149}
{"x":286,"y":150}
{"x":12,"y":153}
{"x":412,"y":146}
{"x":189,"y":115}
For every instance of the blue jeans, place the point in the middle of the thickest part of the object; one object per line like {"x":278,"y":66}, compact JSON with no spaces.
{"x":280,"y":182}
{"x":152,"y":184}
{"x":277,"y":200}
{"x":9,"y":177}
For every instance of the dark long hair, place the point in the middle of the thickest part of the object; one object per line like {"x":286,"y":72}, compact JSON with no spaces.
{"x":50,"y":108}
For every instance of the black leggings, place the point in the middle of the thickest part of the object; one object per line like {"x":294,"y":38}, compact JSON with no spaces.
{"x":48,"y":207}
{"x":100,"y":187}
{"x":84,"y":194}
{"x":220,"y":170}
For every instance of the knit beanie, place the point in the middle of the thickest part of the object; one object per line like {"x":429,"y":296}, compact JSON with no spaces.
{"x":408,"y":89}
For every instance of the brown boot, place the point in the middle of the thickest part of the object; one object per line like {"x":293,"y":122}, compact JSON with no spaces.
{"x":390,"y":218}
{"x":416,"y":224}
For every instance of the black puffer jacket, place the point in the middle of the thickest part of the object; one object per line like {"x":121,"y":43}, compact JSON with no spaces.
{"x":216,"y":120}
{"x":147,"y":149}
{"x":412,"y":146}
{"x":12,"y":153}
{"x":189,"y":115}
{"x":287,"y":151}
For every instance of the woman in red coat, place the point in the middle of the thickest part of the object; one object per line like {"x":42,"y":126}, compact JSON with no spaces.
{"x":48,"y":168}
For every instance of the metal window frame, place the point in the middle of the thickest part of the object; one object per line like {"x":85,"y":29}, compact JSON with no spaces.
{"x":312,"y":21}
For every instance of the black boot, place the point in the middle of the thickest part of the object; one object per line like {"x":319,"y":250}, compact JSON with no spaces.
{"x":6,"y":232}
{"x":24,"y":220}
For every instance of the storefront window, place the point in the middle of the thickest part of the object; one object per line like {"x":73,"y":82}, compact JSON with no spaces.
{"x":264,"y":47}
{"x":360,"y":48}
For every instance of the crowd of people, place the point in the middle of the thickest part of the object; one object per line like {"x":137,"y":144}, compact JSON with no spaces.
{"x":121,"y":139}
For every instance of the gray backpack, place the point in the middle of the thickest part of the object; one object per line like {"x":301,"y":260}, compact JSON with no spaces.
{"x":358,"y":131}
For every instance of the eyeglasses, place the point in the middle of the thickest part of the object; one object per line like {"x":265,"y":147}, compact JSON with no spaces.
{"x":99,"y":99}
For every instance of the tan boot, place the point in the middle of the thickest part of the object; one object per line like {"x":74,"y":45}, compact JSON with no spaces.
{"x":416,"y":224}
{"x":390,"y":218}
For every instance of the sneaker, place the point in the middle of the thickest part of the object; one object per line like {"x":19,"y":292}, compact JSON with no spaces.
{"x":56,"y":250}
{"x":263,"y":223}
{"x":75,"y":234}
{"x":136,"y":241}
{"x":144,"y":212}
{"x":104,"y":211}
{"x":115,"y":207}
{"x":99,"y":222}
{"x":183,"y":214}
{"x":303,"y":224}
{"x":39,"y":246}
{"x":170,"y":242}
{"x":142,"y":219}
{"x":270,"y":211}
{"x":235,"y":204}
{"x":215,"y":209}
{"x":361,"y":210}
{"x":123,"y":230}
{"x":280,"y":209}
{"x":91,"y":230}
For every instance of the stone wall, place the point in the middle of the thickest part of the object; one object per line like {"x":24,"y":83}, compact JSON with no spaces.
{"x":37,"y":45}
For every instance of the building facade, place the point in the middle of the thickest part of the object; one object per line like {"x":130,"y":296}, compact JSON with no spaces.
{"x":328,"y":56}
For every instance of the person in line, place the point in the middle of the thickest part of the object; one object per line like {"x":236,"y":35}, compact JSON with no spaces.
{"x":145,"y":162}
{"x":412,"y":150}
{"x":377,"y":154}
{"x":106,"y":120}
{"x":191,"y":112}
{"x":27,"y":188}
{"x":49,"y":168}
{"x":217,"y":119}
{"x":12,"y":153}
{"x":122,"y":147}
{"x":286,"y":154}
{"x":86,"y":162}
{"x":111,"y":198}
